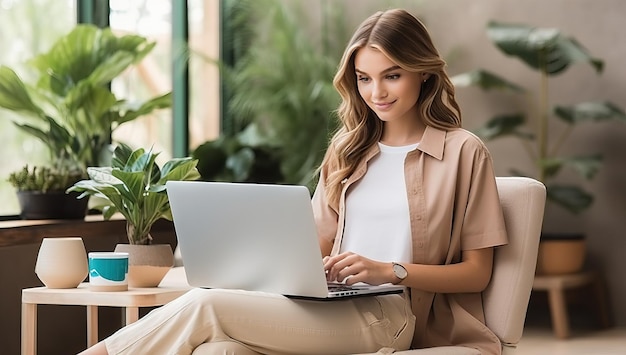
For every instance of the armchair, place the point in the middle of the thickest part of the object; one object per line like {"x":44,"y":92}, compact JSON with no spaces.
{"x":506,"y":298}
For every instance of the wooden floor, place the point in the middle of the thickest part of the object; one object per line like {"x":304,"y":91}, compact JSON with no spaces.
{"x":540,"y":340}
{"x":587,"y":336}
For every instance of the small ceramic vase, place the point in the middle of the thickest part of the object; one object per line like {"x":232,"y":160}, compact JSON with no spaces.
{"x":62,"y":262}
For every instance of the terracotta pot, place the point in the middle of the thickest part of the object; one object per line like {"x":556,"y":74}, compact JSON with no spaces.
{"x":562,"y":255}
{"x":62,"y":262}
{"x":147,"y":264}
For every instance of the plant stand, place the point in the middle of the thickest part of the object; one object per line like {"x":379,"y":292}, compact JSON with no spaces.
{"x":556,"y":285}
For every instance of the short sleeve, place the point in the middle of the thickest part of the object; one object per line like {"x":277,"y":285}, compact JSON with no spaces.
{"x":483,"y":225}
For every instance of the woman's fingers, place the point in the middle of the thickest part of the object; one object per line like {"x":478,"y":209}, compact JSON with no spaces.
{"x":346,"y":266}
{"x":353,"y":268}
{"x":335,"y":264}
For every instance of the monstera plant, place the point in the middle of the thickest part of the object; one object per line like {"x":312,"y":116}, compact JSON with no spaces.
{"x":69,"y":105}
{"x":549,"y":52}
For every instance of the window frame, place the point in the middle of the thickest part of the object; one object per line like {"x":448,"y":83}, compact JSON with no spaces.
{"x":98,"y":12}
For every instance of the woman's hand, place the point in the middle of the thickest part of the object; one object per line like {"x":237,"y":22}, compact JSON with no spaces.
{"x":355,"y":268}
{"x":472,"y":274}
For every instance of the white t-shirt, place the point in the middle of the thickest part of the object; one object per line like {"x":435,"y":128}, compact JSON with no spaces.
{"x":377,"y":211}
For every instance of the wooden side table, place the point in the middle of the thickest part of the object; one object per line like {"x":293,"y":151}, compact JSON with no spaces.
{"x":131,"y":300}
{"x":556,"y":285}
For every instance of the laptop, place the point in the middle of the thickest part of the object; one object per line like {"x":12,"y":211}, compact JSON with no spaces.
{"x":254,"y":237}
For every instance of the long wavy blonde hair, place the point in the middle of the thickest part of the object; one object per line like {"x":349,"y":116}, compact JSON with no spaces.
{"x":405,"y":41}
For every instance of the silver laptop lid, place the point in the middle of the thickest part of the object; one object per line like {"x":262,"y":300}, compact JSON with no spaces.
{"x":254,"y":237}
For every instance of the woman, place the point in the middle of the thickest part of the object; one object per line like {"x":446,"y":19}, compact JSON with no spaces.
{"x":405,"y":196}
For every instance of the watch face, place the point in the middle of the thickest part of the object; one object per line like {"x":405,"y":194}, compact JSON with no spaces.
{"x":400,"y":271}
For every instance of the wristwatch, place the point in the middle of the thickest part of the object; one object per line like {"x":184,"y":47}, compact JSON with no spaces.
{"x":399,"y":271}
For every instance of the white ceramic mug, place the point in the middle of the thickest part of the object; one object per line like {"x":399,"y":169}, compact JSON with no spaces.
{"x":62,"y":262}
{"x":108,"y":271}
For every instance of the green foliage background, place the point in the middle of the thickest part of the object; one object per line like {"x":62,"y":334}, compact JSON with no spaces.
{"x":25,"y":30}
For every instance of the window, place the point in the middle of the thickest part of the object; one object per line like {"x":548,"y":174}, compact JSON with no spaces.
{"x":149,"y":78}
{"x":153,"y":76}
{"x":25,"y":31}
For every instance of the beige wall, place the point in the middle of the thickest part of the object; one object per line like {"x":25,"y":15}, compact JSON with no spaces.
{"x":458,"y":29}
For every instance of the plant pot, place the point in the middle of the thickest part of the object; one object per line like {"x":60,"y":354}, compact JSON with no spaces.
{"x":147,"y":264}
{"x":51,"y":205}
{"x":61,"y":262}
{"x":561,"y":254}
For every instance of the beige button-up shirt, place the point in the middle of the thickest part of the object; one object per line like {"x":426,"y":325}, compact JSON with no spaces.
{"x":453,"y":206}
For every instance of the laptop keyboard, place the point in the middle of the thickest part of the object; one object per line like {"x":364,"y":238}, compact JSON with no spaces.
{"x":336,"y":287}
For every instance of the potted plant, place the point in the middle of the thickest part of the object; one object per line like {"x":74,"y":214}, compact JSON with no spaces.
{"x":70,"y":106}
{"x":244,"y":157}
{"x":281,"y":81}
{"x":41,"y":193}
{"x":134,"y":186}
{"x":549,"y":52}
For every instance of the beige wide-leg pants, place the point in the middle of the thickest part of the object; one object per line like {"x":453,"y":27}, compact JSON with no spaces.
{"x":242,"y":322}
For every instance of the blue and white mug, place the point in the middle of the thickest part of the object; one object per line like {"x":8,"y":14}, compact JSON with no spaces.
{"x":108,"y":271}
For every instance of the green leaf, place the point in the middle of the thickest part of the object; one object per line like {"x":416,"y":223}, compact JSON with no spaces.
{"x":485,"y":80}
{"x":104,"y":191}
{"x":36,"y":132}
{"x":57,"y":139}
{"x":586,"y":166}
{"x":145,"y":163}
{"x":153,"y":205}
{"x":572,"y":198}
{"x":179,"y":169}
{"x":109,"y":68}
{"x":573,"y":52}
{"x":122,"y":154}
{"x":94,"y":100}
{"x":590,"y":111}
{"x":544,"y":49}
{"x":133,"y":185}
{"x":14,"y":95}
{"x":108,"y":212}
{"x":503,"y":125}
{"x":130,"y":112}
{"x":103,"y":175}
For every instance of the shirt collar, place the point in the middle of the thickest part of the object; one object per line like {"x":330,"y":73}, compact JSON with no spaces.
{"x":432,"y":142}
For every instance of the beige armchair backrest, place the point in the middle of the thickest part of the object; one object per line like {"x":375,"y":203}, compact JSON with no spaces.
{"x":506,"y":297}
